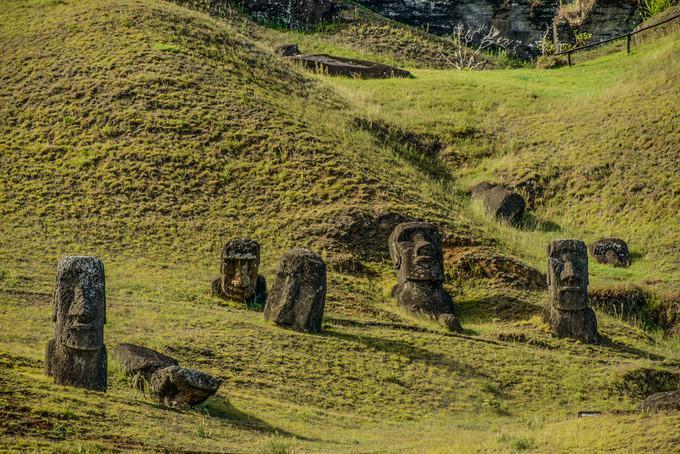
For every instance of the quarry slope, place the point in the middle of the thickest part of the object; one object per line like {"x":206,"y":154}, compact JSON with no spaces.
{"x":148,"y":134}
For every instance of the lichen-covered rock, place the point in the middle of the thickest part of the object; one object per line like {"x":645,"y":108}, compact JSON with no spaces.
{"x":500,"y":202}
{"x":611,"y":251}
{"x":140,"y":363}
{"x":176,"y":386}
{"x":161,"y":375}
{"x":450,"y":322}
{"x":298,"y":296}
{"x":76,"y":355}
{"x":666,"y":401}
{"x":350,"y":67}
{"x":567,"y":311}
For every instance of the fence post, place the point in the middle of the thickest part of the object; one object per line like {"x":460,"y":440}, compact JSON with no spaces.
{"x":628,"y":43}
{"x":569,"y":58}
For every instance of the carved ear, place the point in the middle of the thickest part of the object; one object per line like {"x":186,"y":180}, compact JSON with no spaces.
{"x":54,"y":306}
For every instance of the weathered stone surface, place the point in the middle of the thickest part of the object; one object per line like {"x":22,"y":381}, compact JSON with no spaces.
{"x":500,"y":202}
{"x":521,"y":20}
{"x":76,"y":355}
{"x":176,"y":386}
{"x":567,"y":311}
{"x":287,"y":50}
{"x":298,"y":296}
{"x":349,"y":67}
{"x":416,"y":250}
{"x":611,"y":251}
{"x":238,"y":279}
{"x":141,"y":363}
{"x":667,"y":401}
{"x":603,"y":19}
{"x":161,"y":375}
{"x":450,"y":322}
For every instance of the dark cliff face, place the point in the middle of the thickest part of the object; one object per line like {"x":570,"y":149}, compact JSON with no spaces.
{"x":610,"y":18}
{"x":521,"y":20}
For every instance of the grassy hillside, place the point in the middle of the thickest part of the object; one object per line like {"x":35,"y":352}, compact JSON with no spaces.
{"x":148,"y":134}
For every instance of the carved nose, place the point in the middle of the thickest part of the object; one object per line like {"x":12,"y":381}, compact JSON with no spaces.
{"x":568,"y":274}
{"x":80,"y":309}
{"x":241,"y":278}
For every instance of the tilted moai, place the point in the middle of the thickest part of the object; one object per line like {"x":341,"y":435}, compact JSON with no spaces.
{"x":500,"y":202}
{"x":298,"y":296}
{"x":416,"y":250}
{"x":567,"y":312}
{"x":162,"y":376}
{"x":239,"y":279}
{"x":76,"y":355}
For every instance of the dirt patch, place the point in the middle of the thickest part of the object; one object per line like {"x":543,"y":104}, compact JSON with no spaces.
{"x":482,"y":262}
{"x":349,"y":67}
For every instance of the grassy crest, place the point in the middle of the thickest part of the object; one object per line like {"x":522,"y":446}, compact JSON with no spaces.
{"x":148,"y":134}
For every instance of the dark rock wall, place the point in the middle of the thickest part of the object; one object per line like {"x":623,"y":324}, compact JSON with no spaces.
{"x":610,"y":18}
{"x":520,"y":20}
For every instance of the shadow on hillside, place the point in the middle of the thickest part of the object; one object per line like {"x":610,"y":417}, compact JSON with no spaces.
{"x":623,"y":348}
{"x":220,"y":407}
{"x":413,"y":353}
{"x":501,"y":307}
{"x":534,"y":223}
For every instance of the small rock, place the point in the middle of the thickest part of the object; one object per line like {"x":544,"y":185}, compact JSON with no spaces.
{"x":611,"y":251}
{"x":287,"y":50}
{"x":666,"y":401}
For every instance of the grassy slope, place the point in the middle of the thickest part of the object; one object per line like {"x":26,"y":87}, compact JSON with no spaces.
{"x":147,"y":134}
{"x":600,"y":138}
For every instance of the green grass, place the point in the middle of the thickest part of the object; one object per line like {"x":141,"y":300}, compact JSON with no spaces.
{"x":148,"y":134}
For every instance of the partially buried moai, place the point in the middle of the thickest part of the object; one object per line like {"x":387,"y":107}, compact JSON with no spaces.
{"x":239,"y":279}
{"x":567,"y":311}
{"x":298,"y":296}
{"x":76,"y":355}
{"x":416,"y":250}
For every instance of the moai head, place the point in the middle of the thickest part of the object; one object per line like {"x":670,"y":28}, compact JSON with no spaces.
{"x":416,"y":250}
{"x":79,"y":308}
{"x":568,"y":274}
{"x":240,"y":263}
{"x":298,"y":296}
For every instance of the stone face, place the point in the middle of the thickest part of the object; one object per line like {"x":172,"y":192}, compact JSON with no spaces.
{"x":298,"y":296}
{"x":76,"y":355}
{"x":350,"y":67}
{"x":172,"y":385}
{"x":611,"y":251}
{"x":666,"y":401}
{"x":238,"y":279}
{"x":416,"y":250}
{"x":567,"y":311}
{"x":176,"y":386}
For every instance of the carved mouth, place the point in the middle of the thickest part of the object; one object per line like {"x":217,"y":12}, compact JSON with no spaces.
{"x":83,"y":337}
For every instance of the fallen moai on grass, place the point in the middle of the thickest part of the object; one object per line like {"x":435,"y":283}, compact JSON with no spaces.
{"x":161,"y":376}
{"x":610,"y":251}
{"x":239,"y":279}
{"x":664,"y":401}
{"x":567,"y":311}
{"x":341,"y":66}
{"x":500,"y":202}
{"x":298,"y":296}
{"x":76,"y":355}
{"x":416,"y":250}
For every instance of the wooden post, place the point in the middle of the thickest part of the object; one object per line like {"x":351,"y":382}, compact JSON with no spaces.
{"x":628,"y":43}
{"x":569,"y":58}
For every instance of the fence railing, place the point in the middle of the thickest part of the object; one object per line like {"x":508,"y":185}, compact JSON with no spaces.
{"x":628,"y":37}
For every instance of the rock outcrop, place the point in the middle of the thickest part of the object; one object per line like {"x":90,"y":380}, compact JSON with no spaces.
{"x":349,"y":67}
{"x":602,"y":19}
{"x":667,"y":401}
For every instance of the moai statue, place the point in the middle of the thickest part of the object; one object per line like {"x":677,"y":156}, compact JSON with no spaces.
{"x":238,"y":279}
{"x":298,"y":296}
{"x":76,"y":355}
{"x":567,"y":312}
{"x":162,"y":377}
{"x":416,"y":250}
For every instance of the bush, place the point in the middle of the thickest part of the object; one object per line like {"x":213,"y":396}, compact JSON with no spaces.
{"x":654,"y":7}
